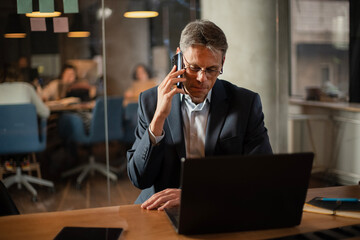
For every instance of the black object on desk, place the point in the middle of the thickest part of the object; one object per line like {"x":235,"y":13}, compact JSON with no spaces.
{"x":89,"y":233}
{"x":346,"y":232}
{"x":81,"y":93}
{"x":235,"y":193}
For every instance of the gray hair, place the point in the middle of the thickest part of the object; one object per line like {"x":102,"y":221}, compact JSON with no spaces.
{"x":204,"y":33}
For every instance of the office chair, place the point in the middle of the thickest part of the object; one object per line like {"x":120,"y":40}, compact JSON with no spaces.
{"x":130,"y":123}
{"x":72,"y":129}
{"x":19,"y":136}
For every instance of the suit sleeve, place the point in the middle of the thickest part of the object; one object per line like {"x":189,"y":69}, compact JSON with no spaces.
{"x":256,"y":138}
{"x":144,"y":159}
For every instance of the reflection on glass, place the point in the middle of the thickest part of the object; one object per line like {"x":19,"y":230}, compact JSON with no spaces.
{"x":320,"y":49}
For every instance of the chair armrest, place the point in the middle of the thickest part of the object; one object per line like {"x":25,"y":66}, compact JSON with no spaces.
{"x":43,"y":131}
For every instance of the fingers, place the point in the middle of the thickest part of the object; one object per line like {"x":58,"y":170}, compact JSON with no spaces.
{"x":172,"y":78}
{"x":163,"y":199}
{"x":170,"y":203}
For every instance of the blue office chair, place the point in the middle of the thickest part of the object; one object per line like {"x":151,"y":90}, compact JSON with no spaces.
{"x":19,"y":135}
{"x":72,"y":128}
{"x":130,"y":123}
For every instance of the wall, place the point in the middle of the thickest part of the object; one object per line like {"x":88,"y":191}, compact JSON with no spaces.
{"x":127,"y":43}
{"x":253,"y":60}
{"x":333,"y":135}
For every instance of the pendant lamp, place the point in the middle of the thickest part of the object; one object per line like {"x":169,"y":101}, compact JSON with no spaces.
{"x":140,"y":9}
{"x":14,"y":29}
{"x":36,"y":12}
{"x":77,"y":28}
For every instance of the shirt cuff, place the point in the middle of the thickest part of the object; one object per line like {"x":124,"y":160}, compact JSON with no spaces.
{"x":156,"y":139}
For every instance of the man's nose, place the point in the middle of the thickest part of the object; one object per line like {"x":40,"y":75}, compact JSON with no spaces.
{"x":201,"y":76}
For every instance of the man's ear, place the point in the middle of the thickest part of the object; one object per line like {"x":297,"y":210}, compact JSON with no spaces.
{"x":223,"y":60}
{"x":177,"y":50}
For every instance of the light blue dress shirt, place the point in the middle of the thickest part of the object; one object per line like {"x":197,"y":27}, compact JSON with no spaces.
{"x":195,"y":118}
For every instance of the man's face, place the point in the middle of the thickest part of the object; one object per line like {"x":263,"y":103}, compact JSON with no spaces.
{"x":199,"y":83}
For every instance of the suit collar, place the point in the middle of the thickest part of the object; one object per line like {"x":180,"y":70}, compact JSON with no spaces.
{"x":218,"y":109}
{"x":174,"y":122}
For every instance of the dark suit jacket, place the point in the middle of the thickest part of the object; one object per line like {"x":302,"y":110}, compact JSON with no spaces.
{"x":235,"y":126}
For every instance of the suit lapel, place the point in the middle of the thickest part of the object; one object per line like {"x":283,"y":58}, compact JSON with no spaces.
{"x":174,"y":122}
{"x":218,"y":109}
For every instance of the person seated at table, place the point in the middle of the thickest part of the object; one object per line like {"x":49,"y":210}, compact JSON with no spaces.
{"x":206,"y":117}
{"x":68,"y":81}
{"x":13,"y":91}
{"x":142,"y":80}
{"x":28,"y":74}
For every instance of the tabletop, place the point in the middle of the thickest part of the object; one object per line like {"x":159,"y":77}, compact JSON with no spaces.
{"x":70,"y":104}
{"x":152,"y":224}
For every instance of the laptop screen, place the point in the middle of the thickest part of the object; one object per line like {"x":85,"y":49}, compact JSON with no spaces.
{"x":233,"y":193}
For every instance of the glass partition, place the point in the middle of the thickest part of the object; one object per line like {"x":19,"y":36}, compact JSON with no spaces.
{"x":102,"y":48}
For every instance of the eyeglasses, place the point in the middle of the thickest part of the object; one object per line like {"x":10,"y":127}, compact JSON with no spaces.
{"x":209,"y":72}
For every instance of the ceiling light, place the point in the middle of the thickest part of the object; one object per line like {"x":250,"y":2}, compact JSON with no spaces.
{"x":15,"y":35}
{"x":14,"y":28}
{"x":77,"y":28}
{"x":140,"y":9}
{"x":78,"y":34}
{"x":43,"y":14}
{"x":141,"y":14}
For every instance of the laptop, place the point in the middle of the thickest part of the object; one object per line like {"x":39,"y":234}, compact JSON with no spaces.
{"x":237,"y":193}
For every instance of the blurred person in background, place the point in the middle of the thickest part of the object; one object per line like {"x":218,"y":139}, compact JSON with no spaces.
{"x":14,"y":91}
{"x":68,"y":85}
{"x":142,"y":80}
{"x":28,"y":74}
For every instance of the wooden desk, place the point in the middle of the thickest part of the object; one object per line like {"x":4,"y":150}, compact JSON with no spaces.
{"x":143,"y":224}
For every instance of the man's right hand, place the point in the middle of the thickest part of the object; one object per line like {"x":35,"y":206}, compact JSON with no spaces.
{"x":166,"y":91}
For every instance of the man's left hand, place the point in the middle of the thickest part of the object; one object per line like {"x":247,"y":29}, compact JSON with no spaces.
{"x":167,"y":198}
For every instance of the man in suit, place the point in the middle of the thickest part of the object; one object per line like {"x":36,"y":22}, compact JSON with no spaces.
{"x":206,"y":117}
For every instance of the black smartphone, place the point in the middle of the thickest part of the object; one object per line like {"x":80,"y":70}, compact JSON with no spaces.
{"x":178,"y":61}
{"x":89,"y":233}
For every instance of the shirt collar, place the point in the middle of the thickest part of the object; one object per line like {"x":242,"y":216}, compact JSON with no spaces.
{"x":187,"y":97}
{"x":187,"y":102}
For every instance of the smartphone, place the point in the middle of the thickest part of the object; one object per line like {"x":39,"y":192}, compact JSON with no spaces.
{"x":178,"y":61}
{"x":89,"y":233}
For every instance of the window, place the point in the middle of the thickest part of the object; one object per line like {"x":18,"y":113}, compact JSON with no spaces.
{"x":320,"y":48}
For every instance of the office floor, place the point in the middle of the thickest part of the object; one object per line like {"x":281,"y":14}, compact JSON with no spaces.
{"x":93,"y":191}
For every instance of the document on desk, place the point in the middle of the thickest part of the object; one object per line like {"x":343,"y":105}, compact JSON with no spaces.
{"x":89,"y":233}
{"x":345,"y":207}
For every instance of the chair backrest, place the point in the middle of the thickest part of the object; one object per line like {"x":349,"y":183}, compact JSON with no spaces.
{"x":130,"y":122}
{"x":19,"y":131}
{"x":114,"y":117}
